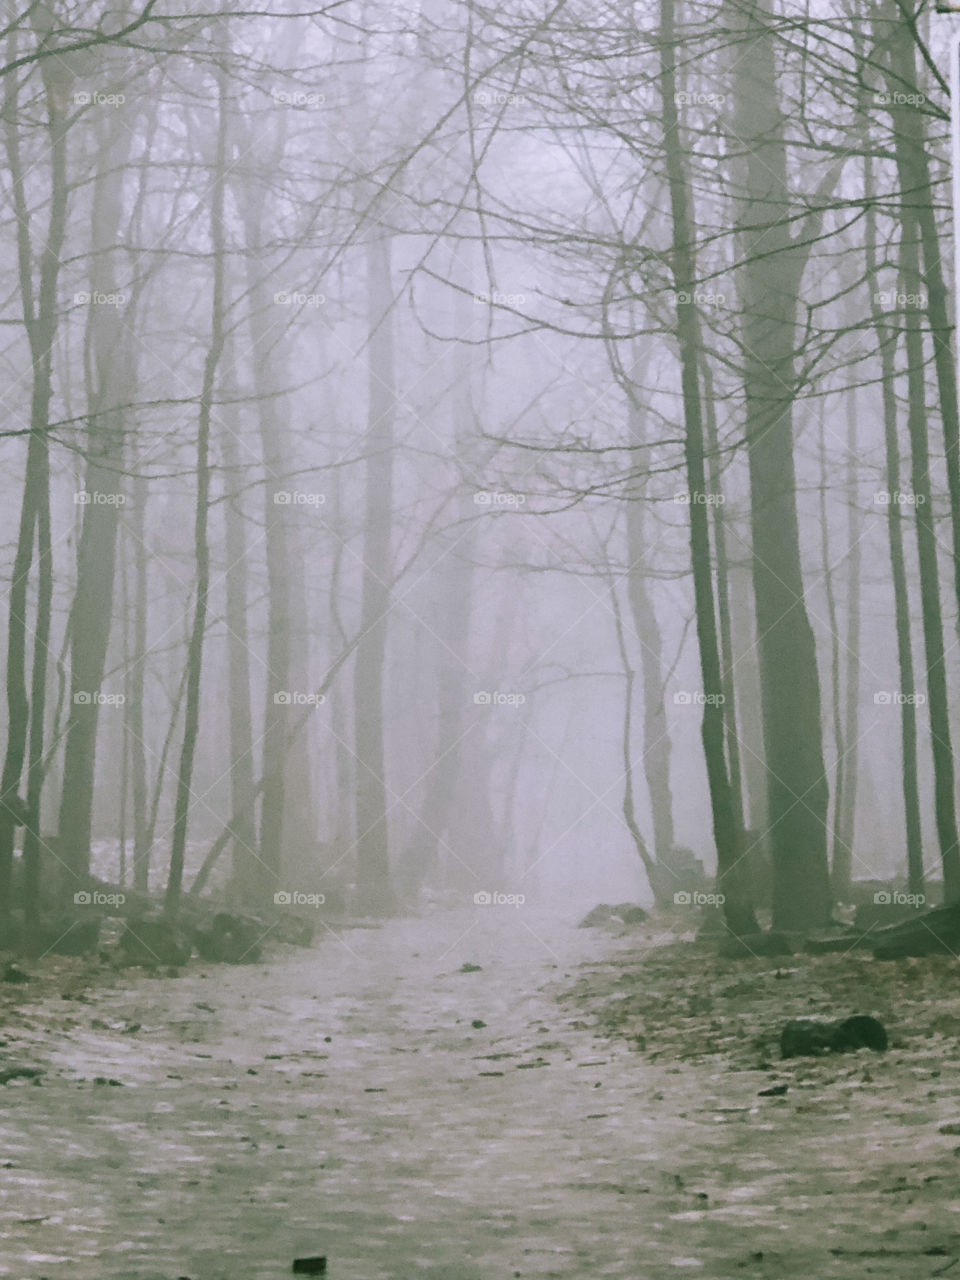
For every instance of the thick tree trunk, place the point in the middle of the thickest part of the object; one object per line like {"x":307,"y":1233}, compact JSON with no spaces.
{"x":92,"y":611}
{"x":40,"y":319}
{"x":943,"y":766}
{"x":797,"y":797}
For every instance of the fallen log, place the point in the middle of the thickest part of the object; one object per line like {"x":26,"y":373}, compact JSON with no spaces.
{"x":808,"y":1038}
{"x":841,"y":939}
{"x":928,"y":933}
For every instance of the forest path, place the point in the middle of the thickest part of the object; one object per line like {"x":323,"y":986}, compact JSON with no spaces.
{"x":414,"y":1144}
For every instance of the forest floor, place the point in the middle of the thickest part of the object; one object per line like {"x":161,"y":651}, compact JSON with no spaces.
{"x":582,"y":1104}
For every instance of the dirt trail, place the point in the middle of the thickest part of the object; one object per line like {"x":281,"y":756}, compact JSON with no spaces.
{"x":341,"y":1101}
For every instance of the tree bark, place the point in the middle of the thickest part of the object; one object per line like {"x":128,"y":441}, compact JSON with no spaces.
{"x":40,"y":320}
{"x":770,"y":275}
{"x":110,"y":360}
{"x":886,"y":346}
{"x":191,"y":718}
{"x":656,"y":733}
{"x":938,"y":709}
{"x":731,"y":880}
{"x":244,"y":872}
{"x":373,"y":862}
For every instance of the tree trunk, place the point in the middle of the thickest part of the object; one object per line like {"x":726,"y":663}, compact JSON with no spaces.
{"x":136,"y":692}
{"x":40,"y":319}
{"x":773,"y":262}
{"x":658,"y":882}
{"x":191,"y":719}
{"x":836,"y":709}
{"x":917,"y":188}
{"x":845,"y":808}
{"x":110,"y":361}
{"x":286,"y":812}
{"x":244,"y":873}
{"x":373,"y":862}
{"x":731,"y":880}
{"x":943,"y":768}
{"x":886,"y":345}
{"x":723,"y":599}
{"x":656,"y":734}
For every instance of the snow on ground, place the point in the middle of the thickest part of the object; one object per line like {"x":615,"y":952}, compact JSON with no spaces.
{"x":342,"y":1101}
